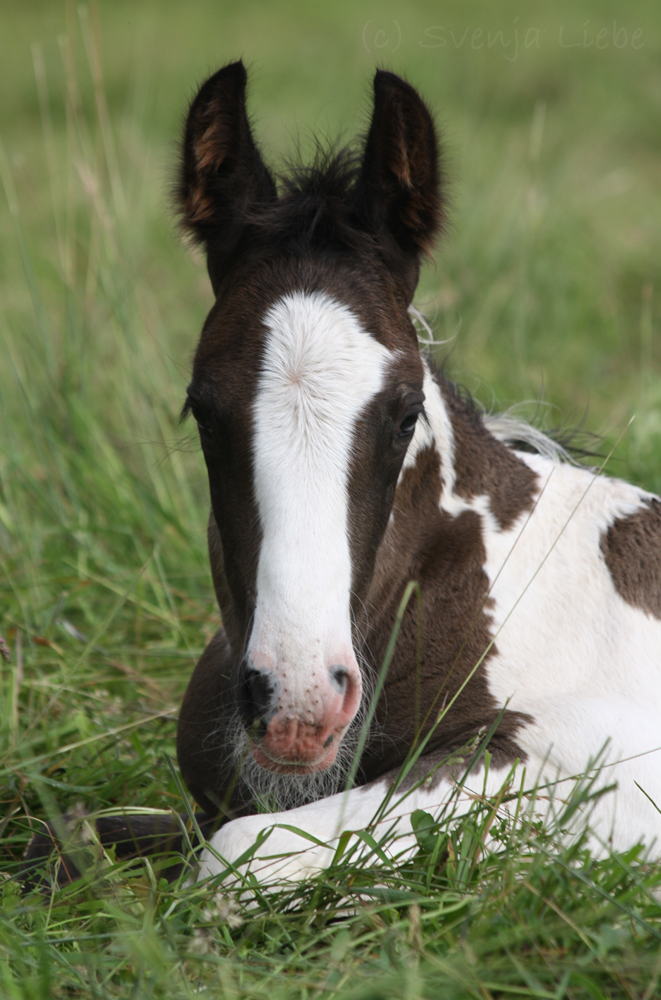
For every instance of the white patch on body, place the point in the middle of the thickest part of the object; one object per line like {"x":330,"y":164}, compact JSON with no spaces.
{"x":570,"y":651}
{"x":319,"y":372}
{"x":562,"y":626}
{"x":436,"y":432}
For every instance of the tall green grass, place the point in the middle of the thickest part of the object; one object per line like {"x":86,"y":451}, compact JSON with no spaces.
{"x":547,"y":287}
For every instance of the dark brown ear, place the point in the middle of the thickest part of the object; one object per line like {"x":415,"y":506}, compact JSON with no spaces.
{"x":400,"y":177}
{"x":222,"y":176}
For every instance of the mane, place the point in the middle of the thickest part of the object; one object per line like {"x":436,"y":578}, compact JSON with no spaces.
{"x":522,"y":436}
{"x":318,"y":206}
{"x":564,"y":444}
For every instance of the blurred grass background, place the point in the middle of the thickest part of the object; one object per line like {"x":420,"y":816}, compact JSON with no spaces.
{"x":548,"y":287}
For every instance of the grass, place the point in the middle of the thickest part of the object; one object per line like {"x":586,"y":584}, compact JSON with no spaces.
{"x":549,"y":287}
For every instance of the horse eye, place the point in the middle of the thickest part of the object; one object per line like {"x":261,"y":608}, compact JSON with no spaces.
{"x":200,"y":420}
{"x":407,"y":426}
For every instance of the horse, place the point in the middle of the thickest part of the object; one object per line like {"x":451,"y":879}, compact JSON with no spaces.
{"x":343,"y":465}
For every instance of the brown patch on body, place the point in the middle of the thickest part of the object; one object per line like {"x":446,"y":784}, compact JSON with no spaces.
{"x":131,"y":836}
{"x":206,"y":757}
{"x":446,"y":556}
{"x":632,"y":550}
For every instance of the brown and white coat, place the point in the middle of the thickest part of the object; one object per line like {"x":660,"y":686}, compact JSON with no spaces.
{"x":341,"y":466}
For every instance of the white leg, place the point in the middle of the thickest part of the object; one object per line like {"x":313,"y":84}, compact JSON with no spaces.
{"x":580,"y":728}
{"x":288,"y":855}
{"x":576,"y":729}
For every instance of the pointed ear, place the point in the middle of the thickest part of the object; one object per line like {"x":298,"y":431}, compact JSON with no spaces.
{"x":400,"y":176}
{"x":222,"y":176}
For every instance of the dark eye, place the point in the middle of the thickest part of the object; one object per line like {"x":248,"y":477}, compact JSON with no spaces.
{"x":199,"y":417}
{"x":407,"y":426}
{"x":201,"y":425}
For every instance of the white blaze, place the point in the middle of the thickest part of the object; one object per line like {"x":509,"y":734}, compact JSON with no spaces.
{"x":319,"y":372}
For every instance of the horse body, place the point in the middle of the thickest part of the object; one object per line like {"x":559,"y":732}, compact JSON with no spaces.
{"x":572,"y":682}
{"x":341,"y":466}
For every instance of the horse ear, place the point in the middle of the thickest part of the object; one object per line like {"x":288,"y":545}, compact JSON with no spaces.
{"x":222,"y":175}
{"x":399,"y":183}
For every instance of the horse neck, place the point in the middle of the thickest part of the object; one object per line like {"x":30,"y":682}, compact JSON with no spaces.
{"x":454,"y":465}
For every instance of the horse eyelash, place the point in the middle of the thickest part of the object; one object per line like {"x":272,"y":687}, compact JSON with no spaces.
{"x":188,"y":409}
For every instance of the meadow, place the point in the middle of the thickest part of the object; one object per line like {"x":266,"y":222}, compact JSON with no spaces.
{"x":547,"y":295}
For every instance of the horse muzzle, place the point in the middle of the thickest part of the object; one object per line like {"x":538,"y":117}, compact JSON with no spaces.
{"x":296,"y":723}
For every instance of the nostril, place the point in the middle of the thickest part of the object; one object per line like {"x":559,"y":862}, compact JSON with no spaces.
{"x":259,"y":692}
{"x":339,"y":677}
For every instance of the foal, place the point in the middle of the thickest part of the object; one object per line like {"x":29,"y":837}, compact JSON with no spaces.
{"x":341,"y":466}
